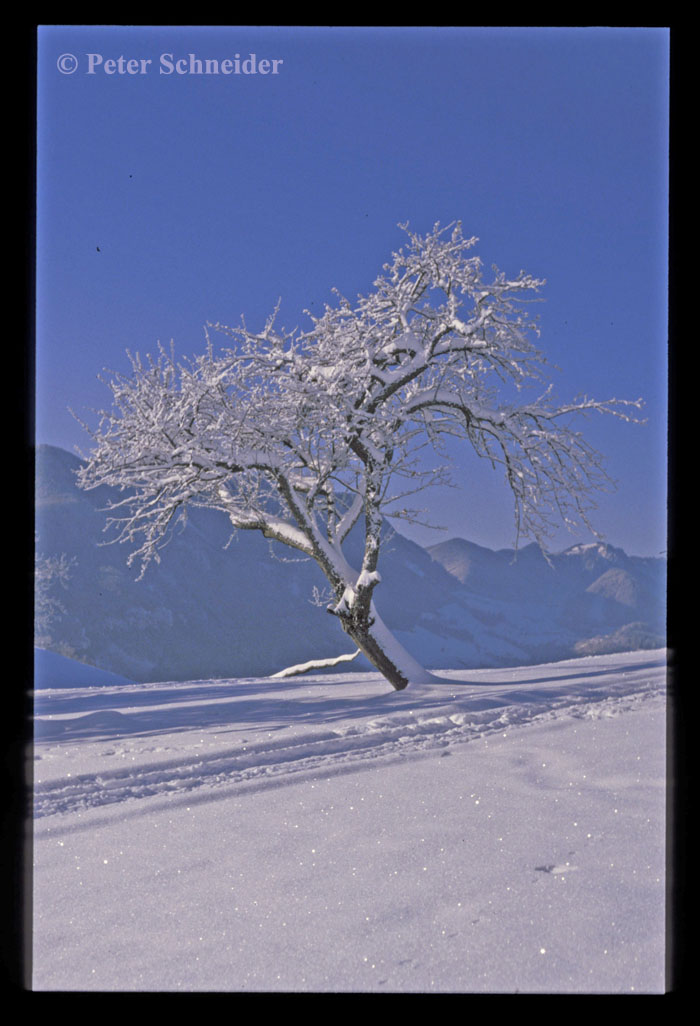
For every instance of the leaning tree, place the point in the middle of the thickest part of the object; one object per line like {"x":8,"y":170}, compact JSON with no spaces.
{"x":303,"y":435}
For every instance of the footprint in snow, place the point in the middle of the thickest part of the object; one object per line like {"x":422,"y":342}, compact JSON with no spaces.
{"x":566,"y":867}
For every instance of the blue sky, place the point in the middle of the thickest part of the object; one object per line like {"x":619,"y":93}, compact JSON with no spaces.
{"x":211,"y":196}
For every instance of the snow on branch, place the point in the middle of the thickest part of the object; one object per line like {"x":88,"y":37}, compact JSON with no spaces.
{"x":316,"y":664}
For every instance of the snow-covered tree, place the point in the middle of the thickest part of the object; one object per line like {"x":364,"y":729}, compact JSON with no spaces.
{"x":49,"y":572}
{"x":303,"y":435}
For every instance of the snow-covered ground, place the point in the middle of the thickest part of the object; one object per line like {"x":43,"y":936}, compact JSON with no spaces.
{"x":326,"y":833}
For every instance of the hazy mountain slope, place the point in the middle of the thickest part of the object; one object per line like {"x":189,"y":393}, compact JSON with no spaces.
{"x":584,"y":586}
{"x":57,"y":671}
{"x":245,"y":609}
{"x":206,"y":610}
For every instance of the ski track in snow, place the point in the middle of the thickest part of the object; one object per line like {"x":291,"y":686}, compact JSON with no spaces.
{"x":347,"y":748}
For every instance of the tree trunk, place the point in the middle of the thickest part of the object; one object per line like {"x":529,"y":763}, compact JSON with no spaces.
{"x":387,"y":654}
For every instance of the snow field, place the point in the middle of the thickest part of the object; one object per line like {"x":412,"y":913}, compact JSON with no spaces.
{"x":329,"y":836}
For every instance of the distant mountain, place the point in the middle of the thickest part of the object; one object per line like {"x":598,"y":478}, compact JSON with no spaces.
{"x":590,"y":590}
{"x":212,"y":609}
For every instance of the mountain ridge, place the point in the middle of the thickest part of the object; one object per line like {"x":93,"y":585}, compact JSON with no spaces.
{"x":219,"y":606}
